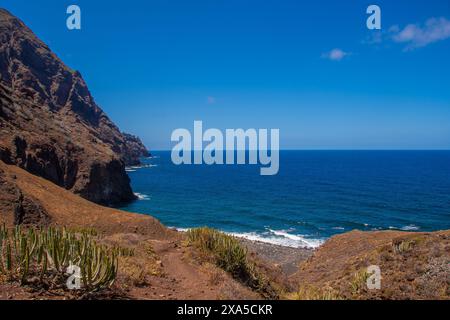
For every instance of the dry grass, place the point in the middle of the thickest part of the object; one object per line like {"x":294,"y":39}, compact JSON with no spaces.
{"x":216,"y":275}
{"x":313,"y":293}
{"x":136,"y":270}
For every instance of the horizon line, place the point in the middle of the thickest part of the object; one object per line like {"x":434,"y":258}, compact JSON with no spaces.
{"x":316,"y":150}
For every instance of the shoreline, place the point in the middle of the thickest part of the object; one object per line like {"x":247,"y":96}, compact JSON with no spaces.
{"x":286,"y":258}
{"x":279,"y":238}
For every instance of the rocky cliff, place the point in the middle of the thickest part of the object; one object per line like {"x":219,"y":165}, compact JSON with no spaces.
{"x":134,"y":150}
{"x":51,"y":126}
{"x":17,"y":207}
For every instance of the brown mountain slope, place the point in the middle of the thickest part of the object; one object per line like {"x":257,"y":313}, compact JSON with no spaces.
{"x":60,"y":207}
{"x":51,"y":126}
{"x":413,"y":266}
{"x":161,"y":268}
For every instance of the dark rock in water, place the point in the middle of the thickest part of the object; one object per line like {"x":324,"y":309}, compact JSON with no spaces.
{"x":51,"y":126}
{"x":104,"y":185}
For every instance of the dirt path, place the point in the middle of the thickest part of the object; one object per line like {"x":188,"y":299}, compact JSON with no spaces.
{"x":184,"y":278}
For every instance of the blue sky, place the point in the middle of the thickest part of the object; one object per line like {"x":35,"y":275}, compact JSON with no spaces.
{"x":310,"y":68}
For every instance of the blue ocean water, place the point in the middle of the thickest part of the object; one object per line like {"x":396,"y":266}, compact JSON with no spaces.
{"x":315,"y":195}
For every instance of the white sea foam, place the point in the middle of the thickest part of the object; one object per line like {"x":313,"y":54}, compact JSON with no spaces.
{"x":297,"y":241}
{"x":134,"y":168}
{"x":410,"y":227}
{"x":142,"y":196}
{"x":276,"y":237}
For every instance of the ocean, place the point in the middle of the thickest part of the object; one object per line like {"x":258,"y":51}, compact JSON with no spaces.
{"x":316,"y":194}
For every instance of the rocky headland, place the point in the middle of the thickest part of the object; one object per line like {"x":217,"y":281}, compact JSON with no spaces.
{"x":51,"y":126}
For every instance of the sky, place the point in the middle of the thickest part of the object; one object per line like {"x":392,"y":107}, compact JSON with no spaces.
{"x":309,"y":68}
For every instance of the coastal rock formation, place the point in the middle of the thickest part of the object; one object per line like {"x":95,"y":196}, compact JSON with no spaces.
{"x":51,"y":126}
{"x":17,"y":207}
{"x":134,"y":150}
{"x":31,"y":200}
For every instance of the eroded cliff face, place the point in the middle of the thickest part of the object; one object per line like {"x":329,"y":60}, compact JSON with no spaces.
{"x":17,"y":208}
{"x":134,"y":150}
{"x":27,"y":199}
{"x":51,"y":126}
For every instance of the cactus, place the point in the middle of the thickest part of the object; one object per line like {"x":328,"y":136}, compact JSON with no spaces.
{"x":48,"y":252}
{"x":228,"y":254}
{"x":8,"y":256}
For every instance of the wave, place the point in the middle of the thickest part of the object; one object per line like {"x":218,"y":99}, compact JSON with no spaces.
{"x":134,"y":168}
{"x":296,"y":241}
{"x":142,"y":196}
{"x":410,"y":227}
{"x":287,"y":240}
{"x":275,"y":237}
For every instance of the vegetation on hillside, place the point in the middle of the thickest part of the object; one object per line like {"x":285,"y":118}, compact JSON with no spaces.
{"x":228,"y":254}
{"x":48,"y":257}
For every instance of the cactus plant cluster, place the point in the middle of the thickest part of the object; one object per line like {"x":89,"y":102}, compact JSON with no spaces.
{"x":229,"y":253}
{"x":48,"y":253}
{"x":231,"y":256}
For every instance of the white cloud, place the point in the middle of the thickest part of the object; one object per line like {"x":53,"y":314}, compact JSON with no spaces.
{"x":414,"y":35}
{"x":211,"y":100}
{"x":417,"y":36}
{"x":335,"y":54}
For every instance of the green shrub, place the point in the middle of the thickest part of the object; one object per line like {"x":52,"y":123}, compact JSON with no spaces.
{"x":359,"y":282}
{"x":228,"y":252}
{"x":231,"y":256}
{"x":47,"y":253}
{"x":402,"y":246}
